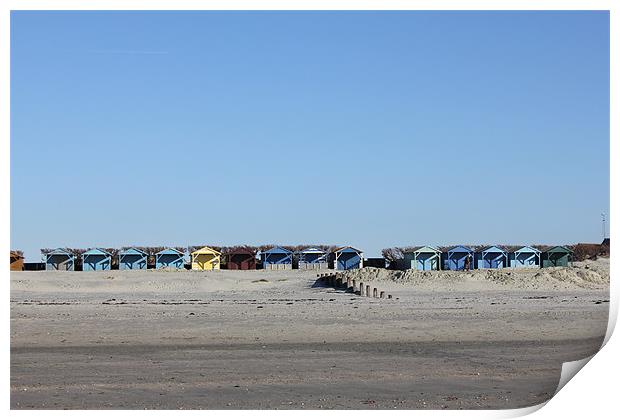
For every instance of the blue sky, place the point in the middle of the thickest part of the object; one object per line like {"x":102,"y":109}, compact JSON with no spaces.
{"x":373,"y":129}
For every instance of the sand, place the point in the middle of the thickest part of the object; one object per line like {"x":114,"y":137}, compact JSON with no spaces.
{"x":260,"y":339}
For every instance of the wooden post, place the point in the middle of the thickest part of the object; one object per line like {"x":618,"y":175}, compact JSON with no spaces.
{"x":382,"y":295}
{"x":374,"y":292}
{"x":362,"y":290}
{"x":354,"y":285}
{"x":368,"y":290}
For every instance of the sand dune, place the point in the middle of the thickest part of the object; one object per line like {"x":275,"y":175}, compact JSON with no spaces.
{"x":582,"y":275}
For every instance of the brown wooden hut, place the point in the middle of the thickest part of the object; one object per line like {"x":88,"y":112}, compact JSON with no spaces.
{"x":240,"y":259}
{"x":17,"y":261}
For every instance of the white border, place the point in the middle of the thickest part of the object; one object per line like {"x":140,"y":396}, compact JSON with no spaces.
{"x":592,"y":394}
{"x":309,"y":5}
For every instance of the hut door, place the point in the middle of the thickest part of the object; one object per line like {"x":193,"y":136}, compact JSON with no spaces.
{"x":555,"y":259}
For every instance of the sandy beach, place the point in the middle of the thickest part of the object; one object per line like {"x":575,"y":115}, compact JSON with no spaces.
{"x":281,"y":340}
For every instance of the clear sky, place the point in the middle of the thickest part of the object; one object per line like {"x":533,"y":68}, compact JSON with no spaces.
{"x":369,"y":129}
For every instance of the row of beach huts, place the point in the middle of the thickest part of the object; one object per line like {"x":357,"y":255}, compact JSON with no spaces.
{"x":423,"y":258}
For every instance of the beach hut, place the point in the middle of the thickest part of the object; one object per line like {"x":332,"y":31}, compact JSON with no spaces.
{"x":206,"y":259}
{"x":555,"y":256}
{"x":313,"y":259}
{"x":491,"y":257}
{"x":17,"y":261}
{"x":347,"y":258}
{"x":604,"y":248}
{"x":132,"y":259}
{"x":376,"y":262}
{"x":424,"y":258}
{"x":59,"y":259}
{"x":277,"y":258}
{"x":240,"y":259}
{"x":525,"y":257}
{"x":454,"y":258}
{"x":96,"y":259}
{"x":169,"y":258}
{"x":34,"y":266}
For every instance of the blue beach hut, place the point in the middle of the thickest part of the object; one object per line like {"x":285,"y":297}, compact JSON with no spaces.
{"x":96,"y":259}
{"x":491,"y":257}
{"x":60,"y":259}
{"x":313,"y":259}
{"x":132,"y":259}
{"x":348,"y":258}
{"x":277,"y":258}
{"x":454,"y":258}
{"x":169,"y":257}
{"x":525,"y":257}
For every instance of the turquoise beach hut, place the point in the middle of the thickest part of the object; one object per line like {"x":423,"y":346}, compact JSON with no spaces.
{"x":424,"y":258}
{"x":96,"y":259}
{"x":454,"y":258}
{"x":525,"y":257}
{"x":132,"y":259}
{"x":59,"y":259}
{"x":491,"y":257}
{"x":169,"y":258}
{"x":556,"y":256}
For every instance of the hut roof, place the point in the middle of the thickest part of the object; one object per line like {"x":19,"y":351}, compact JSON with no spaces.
{"x":348,"y":249}
{"x":492,"y":248}
{"x":459,"y":248}
{"x":205,"y":250}
{"x":424,"y":248}
{"x":60,"y":251}
{"x":240,"y":251}
{"x":97,"y":251}
{"x":170,"y":251}
{"x":132,"y":251}
{"x":557,"y":248}
{"x":278,"y":250}
{"x":524,"y":249}
{"x":313,"y":251}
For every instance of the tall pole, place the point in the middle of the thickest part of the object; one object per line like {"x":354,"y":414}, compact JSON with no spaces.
{"x":604,"y":230}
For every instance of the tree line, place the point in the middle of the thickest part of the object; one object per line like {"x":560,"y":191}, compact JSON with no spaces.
{"x":152,"y":250}
{"x":581,"y":251}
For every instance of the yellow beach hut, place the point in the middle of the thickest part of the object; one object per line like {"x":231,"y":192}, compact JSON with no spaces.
{"x":206,"y":259}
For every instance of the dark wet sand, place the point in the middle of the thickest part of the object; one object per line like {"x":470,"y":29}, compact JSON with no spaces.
{"x":293,"y":375}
